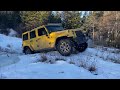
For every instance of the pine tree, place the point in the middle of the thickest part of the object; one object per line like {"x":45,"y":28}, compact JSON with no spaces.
{"x":58,"y":17}
{"x":33,"y":19}
{"x":9,"y":19}
{"x":54,"y":18}
{"x":71,"y":19}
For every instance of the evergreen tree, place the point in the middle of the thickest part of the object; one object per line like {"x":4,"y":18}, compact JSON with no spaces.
{"x":71,"y":19}
{"x":9,"y":19}
{"x":55,"y":18}
{"x":58,"y":17}
{"x":33,"y":19}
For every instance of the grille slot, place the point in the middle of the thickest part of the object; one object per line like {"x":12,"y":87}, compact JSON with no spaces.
{"x":79,"y":34}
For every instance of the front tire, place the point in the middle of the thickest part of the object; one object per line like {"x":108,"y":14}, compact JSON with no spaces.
{"x":82,"y":47}
{"x":64,"y":47}
{"x":28,"y":50}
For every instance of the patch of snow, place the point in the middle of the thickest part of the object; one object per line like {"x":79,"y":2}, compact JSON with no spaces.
{"x":90,"y":43}
{"x":12,"y":33}
{"x":8,"y":60}
{"x":10,"y":44}
{"x":18,"y":66}
{"x":26,"y":69}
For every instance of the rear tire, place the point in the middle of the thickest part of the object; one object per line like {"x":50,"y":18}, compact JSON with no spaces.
{"x":28,"y":50}
{"x":82,"y":47}
{"x":64,"y":47}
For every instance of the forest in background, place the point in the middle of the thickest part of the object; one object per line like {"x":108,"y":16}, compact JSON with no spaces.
{"x":103,"y":27}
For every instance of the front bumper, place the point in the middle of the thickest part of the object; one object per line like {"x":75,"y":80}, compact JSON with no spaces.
{"x":80,"y":40}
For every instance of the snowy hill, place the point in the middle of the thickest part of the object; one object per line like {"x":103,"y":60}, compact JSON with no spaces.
{"x":10,"y":44}
{"x":94,"y":63}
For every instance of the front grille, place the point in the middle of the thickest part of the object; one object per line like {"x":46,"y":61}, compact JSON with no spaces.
{"x":79,"y":34}
{"x":80,"y":37}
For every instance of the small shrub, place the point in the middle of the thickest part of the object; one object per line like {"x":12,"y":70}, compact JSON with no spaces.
{"x":116,"y":60}
{"x":43,"y":58}
{"x":72,"y":62}
{"x":117,"y":51}
{"x":107,"y":57}
{"x":113,"y":52}
{"x":8,"y":55}
{"x":100,"y":56}
{"x":87,"y":64}
{"x":1,"y":49}
{"x":9,"y":46}
{"x":96,"y":54}
{"x":51,"y":61}
{"x":83,"y":64}
{"x":46,"y":60}
{"x":92,"y":68}
{"x":60,"y":59}
{"x":104,"y":49}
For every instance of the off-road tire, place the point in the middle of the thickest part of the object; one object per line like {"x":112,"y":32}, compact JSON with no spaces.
{"x":82,"y":47}
{"x":64,"y":47}
{"x":28,"y":51}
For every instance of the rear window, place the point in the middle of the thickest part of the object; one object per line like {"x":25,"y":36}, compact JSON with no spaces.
{"x":25,"y":37}
{"x":32,"y":34}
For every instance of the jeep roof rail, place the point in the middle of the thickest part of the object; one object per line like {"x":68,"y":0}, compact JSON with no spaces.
{"x":54,"y":24}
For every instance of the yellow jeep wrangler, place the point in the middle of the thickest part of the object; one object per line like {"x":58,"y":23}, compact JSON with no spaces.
{"x":53,"y":37}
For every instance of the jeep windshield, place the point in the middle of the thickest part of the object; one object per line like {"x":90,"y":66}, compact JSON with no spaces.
{"x":54,"y":28}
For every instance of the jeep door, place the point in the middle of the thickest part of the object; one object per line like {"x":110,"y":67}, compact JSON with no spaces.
{"x":43,"y":41}
{"x":33,"y":43}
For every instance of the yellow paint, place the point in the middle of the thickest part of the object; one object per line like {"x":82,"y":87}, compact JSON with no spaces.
{"x":43,"y":42}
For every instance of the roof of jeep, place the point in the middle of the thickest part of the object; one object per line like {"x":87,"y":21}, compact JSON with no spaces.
{"x":42,"y":26}
{"x":53,"y":24}
{"x":32,"y":29}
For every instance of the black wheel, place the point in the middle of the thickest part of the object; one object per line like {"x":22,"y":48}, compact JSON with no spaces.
{"x":64,"y":47}
{"x":82,"y":47}
{"x":28,"y":50}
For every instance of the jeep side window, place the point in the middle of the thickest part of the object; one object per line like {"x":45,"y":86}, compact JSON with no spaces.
{"x":25,"y":37}
{"x":32,"y":34}
{"x":41,"y":32}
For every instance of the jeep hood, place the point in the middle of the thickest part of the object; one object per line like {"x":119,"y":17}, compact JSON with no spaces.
{"x":78,"y":29}
{"x":65,"y":31}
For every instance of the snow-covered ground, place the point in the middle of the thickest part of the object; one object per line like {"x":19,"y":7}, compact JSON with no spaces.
{"x":10,"y":44}
{"x":15,"y":65}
